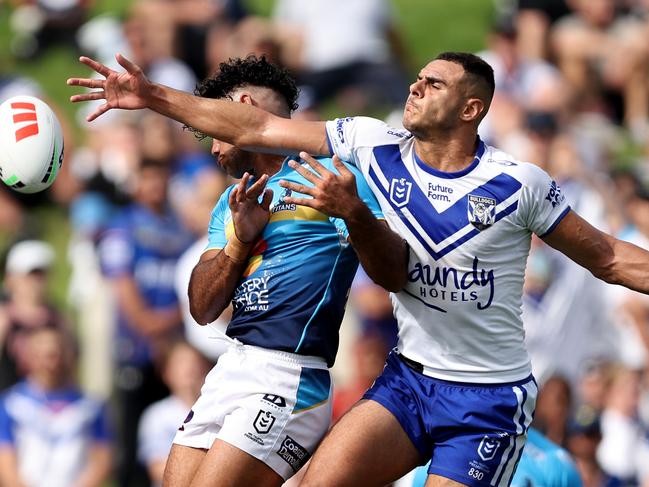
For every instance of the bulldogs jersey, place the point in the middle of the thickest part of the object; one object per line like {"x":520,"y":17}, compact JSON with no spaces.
{"x":469,"y":234}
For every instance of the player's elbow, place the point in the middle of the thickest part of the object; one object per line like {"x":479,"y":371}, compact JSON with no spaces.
{"x":200,"y":313}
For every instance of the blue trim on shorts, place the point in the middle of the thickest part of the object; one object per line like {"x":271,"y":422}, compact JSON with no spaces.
{"x":474,"y":433}
{"x":313,"y":389}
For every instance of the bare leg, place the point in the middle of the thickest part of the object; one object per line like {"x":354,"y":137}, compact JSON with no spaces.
{"x":437,"y":481}
{"x":228,"y":466}
{"x":182,"y":465}
{"x":367,"y":447}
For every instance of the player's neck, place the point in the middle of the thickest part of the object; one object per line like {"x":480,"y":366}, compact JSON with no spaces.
{"x":266,"y":164}
{"x":447,"y":152}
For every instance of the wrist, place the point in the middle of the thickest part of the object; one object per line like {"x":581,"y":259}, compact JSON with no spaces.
{"x":357,"y":212}
{"x":236,"y":250}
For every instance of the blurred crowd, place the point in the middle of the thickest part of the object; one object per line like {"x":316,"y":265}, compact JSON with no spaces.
{"x":96,"y":391}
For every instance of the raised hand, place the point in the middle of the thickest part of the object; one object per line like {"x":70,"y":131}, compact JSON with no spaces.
{"x":248,"y":214}
{"x":126,"y":90}
{"x":333,"y":194}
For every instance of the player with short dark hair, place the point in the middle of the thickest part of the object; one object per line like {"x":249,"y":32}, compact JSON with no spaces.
{"x":458,"y":389}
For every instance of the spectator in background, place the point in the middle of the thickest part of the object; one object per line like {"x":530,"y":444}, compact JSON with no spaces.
{"x":26,"y":308}
{"x":362,"y":57}
{"x":553,"y":408}
{"x":184,"y":372}
{"x":534,"y":19}
{"x":138,"y":253}
{"x":51,"y":434}
{"x":603,"y":54}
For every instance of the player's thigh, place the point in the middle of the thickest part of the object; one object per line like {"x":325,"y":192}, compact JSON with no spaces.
{"x":228,"y":466}
{"x":437,"y":481}
{"x":367,"y":447}
{"x":182,"y":464}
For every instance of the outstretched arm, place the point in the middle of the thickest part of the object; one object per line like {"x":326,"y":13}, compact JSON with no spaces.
{"x":218,"y":272}
{"x":610,"y":259}
{"x":382,"y":253}
{"x":242,"y":125}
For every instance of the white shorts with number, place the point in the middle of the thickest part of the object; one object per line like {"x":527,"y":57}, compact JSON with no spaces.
{"x":275,"y":406}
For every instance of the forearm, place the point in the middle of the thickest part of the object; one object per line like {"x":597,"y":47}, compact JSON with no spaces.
{"x":382,"y":253}
{"x":628,"y":266}
{"x":212,"y":285}
{"x":239,"y":124}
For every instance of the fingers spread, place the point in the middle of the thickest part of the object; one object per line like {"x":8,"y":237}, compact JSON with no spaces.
{"x":97,"y":95}
{"x":267,"y":199}
{"x":100,"y":68}
{"x":299,"y":188}
{"x":306,"y":173}
{"x":340,"y":166}
{"x":97,"y":113}
{"x":315,"y":165}
{"x":127,"y":65}
{"x":256,"y":189}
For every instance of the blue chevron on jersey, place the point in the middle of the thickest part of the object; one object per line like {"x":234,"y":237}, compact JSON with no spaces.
{"x":437,"y":235}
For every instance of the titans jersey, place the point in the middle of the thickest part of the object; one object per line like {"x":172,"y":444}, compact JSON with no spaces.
{"x":293,"y":291}
{"x":545,"y":464}
{"x":469,"y":234}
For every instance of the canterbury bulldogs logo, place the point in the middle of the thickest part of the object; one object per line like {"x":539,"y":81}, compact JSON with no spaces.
{"x":481,"y":211}
{"x":400,"y":190}
{"x":278,"y":401}
{"x":263,"y":422}
{"x":488,"y":448}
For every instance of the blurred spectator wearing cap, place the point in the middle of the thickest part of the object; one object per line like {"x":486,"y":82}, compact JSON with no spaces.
{"x":25,"y":308}
{"x":184,"y":372}
{"x":138,"y":254}
{"x":51,"y":434}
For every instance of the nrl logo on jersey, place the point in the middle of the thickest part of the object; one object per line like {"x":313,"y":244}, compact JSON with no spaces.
{"x":481,"y":211}
{"x":400,"y":190}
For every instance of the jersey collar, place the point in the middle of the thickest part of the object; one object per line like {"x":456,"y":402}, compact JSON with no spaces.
{"x":453,"y":175}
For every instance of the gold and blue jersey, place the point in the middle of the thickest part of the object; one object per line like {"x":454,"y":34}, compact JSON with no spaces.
{"x":293,"y":291}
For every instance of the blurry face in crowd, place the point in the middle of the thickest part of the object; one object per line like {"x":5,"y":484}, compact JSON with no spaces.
{"x":49,"y":355}
{"x":152,"y":186}
{"x":438,"y":99}
{"x":31,"y":286}
{"x":185,"y":370}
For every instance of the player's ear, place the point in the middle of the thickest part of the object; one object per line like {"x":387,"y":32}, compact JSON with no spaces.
{"x":247,"y":99}
{"x":473,"y":109}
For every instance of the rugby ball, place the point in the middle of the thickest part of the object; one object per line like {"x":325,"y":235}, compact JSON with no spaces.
{"x":31,"y":144}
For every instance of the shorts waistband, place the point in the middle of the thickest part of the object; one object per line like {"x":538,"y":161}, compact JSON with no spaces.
{"x":309,"y":361}
{"x":419,"y":368}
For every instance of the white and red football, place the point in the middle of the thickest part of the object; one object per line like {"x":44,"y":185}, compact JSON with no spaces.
{"x":31,"y":144}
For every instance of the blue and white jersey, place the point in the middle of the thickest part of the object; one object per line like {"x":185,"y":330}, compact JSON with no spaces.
{"x":144,"y":246}
{"x":469,"y":234}
{"x":51,"y":432}
{"x":294,"y":289}
{"x":545,"y":464}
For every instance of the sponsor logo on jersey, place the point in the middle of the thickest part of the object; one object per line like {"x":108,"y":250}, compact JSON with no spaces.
{"x":452,"y":285}
{"x":252,"y":295}
{"x":339,"y":128}
{"x":25,"y":112}
{"x":439,"y":192}
{"x":293,"y":453}
{"x":554,"y":195}
{"x":400,"y":190}
{"x":488,"y":448}
{"x":481,"y":211}
{"x":278,"y":401}
{"x":263,"y":422}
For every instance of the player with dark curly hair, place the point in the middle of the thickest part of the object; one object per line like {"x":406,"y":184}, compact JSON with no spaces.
{"x":287,"y":270}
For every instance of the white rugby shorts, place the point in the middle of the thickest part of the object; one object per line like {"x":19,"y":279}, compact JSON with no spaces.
{"x":275,"y":406}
